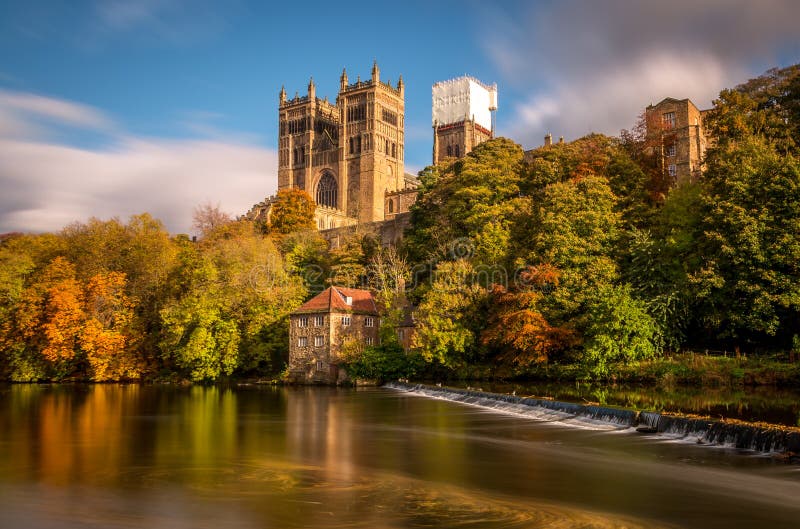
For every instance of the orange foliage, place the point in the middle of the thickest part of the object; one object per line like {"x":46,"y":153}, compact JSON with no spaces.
{"x":106,"y":333}
{"x":518,"y":326}
{"x":62,"y":316}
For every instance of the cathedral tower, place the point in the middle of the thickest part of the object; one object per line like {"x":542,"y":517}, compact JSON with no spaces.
{"x":347,"y":155}
{"x":463,"y":116}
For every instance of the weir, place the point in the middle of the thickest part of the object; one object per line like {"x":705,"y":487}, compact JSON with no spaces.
{"x":753,"y":437}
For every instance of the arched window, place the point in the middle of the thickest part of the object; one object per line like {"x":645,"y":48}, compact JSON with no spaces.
{"x":327,"y":191}
{"x":391,"y":206}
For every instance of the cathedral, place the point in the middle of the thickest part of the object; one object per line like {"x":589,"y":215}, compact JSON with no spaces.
{"x":347,"y":154}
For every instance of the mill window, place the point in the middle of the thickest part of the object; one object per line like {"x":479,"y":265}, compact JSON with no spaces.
{"x":673,"y":170}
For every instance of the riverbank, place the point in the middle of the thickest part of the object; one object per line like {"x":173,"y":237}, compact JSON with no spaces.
{"x":677,"y":369}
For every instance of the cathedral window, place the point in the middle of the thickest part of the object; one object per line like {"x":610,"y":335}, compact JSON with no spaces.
{"x":356,"y":113}
{"x":358,"y":144}
{"x":351,"y":145}
{"x":387,"y":148}
{"x":327,"y":191}
{"x":387,"y":116}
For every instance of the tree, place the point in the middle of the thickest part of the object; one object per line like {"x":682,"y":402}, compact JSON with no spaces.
{"x":109,"y":338}
{"x":749,"y":281}
{"x":448,"y":318}
{"x":619,"y":329}
{"x":207,"y":217}
{"x":293,"y":210}
{"x":517,"y":325}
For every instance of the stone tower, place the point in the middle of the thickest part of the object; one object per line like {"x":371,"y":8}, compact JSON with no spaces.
{"x":677,"y":124}
{"x":463,"y":114}
{"x":346,"y":155}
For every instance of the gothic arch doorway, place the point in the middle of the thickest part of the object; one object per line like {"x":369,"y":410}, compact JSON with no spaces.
{"x":327,"y":190}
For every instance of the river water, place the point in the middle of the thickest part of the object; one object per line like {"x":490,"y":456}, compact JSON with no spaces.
{"x":247,"y":456}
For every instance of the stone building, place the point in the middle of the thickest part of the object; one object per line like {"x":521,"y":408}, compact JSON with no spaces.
{"x":347,"y":155}
{"x":463,"y":116}
{"x":683,"y":138}
{"x":322,"y":326}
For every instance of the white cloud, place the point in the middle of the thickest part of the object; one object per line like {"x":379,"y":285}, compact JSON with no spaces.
{"x":47,"y":185}
{"x":594,"y":67}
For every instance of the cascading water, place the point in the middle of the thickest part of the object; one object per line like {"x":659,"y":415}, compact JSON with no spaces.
{"x":704,"y":431}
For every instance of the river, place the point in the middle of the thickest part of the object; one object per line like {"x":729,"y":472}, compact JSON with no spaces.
{"x":249,"y":456}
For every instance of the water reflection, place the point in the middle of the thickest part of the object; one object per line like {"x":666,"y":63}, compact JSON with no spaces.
{"x":133,"y":456}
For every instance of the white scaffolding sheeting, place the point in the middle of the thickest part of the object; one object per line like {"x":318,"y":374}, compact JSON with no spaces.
{"x":464,"y":98}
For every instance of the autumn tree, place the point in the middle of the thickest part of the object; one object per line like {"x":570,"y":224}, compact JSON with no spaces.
{"x":293,"y":210}
{"x":516,"y":324}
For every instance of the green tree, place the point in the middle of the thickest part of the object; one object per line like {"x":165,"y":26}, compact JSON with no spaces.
{"x":619,"y":329}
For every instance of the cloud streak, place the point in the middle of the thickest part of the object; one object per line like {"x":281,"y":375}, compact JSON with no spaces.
{"x":596,"y":65}
{"x":48,"y":184}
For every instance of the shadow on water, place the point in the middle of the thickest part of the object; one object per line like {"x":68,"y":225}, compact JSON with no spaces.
{"x":136,"y":456}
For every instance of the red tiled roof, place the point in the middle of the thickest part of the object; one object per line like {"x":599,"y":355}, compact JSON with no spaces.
{"x":332,"y":299}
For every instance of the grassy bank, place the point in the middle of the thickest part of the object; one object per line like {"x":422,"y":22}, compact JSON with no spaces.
{"x":682,"y":369}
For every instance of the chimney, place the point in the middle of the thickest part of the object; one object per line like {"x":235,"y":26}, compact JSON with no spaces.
{"x":548,"y":140}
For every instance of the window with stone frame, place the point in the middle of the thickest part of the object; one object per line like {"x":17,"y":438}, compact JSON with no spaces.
{"x":672,"y":169}
{"x":368,"y":340}
{"x":319,"y":341}
{"x":668,"y":120}
{"x":302,"y":341}
{"x":319,"y":321}
{"x":346,"y":321}
{"x":369,"y":321}
{"x":302,"y":321}
{"x":320,"y":365}
{"x":669,"y":150}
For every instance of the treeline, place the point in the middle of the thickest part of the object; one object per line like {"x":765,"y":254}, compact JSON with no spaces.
{"x":581,"y":253}
{"x":584,"y":253}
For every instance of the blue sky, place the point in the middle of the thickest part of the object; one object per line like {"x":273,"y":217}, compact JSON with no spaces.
{"x":117,"y":107}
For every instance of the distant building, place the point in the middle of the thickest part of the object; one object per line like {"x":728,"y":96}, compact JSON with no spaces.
{"x":683,"y":138}
{"x":322,"y":326}
{"x":463,"y":116}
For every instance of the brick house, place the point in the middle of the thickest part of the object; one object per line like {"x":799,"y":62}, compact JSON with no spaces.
{"x":322,"y":325}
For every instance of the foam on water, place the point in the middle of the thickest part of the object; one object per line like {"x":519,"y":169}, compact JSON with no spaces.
{"x":764,"y":439}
